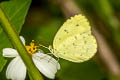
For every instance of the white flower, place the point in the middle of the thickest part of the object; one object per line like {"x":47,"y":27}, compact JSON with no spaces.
{"x":17,"y":70}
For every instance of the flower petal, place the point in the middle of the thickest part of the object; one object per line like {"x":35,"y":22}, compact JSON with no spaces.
{"x":16,"y":70}
{"x":22,"y":39}
{"x":9,"y":52}
{"x":46,"y":64}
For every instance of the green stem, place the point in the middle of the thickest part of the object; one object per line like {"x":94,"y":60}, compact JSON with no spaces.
{"x":14,"y":37}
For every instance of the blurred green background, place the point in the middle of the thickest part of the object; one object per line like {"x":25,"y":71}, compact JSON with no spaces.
{"x":45,"y":17}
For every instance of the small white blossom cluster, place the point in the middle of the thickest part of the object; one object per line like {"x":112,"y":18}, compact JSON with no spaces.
{"x":16,"y":69}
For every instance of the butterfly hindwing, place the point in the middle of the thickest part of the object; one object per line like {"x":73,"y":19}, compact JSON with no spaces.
{"x":74,"y":41}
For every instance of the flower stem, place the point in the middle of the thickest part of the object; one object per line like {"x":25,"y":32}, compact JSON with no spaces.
{"x":14,"y":37}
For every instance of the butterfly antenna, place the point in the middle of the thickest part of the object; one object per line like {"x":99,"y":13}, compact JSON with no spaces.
{"x":49,"y":48}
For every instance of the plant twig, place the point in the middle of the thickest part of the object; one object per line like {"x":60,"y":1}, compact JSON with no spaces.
{"x":12,"y":34}
{"x":106,"y":54}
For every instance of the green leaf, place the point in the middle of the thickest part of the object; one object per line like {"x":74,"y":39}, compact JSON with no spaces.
{"x":16,"y":11}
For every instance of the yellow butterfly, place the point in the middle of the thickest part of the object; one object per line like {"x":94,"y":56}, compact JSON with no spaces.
{"x":74,"y":41}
